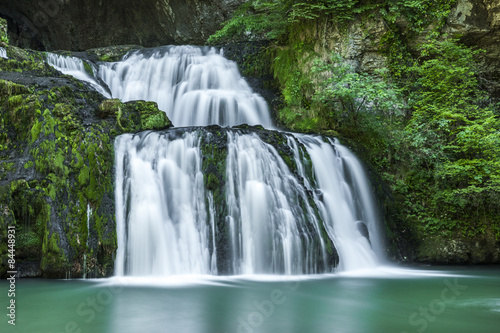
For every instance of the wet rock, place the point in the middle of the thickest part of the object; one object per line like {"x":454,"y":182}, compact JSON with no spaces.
{"x":84,"y":24}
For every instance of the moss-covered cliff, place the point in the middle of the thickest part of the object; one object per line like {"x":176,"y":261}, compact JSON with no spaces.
{"x":57,"y":167}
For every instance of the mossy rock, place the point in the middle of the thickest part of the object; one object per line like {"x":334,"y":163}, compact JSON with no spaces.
{"x":111,"y":53}
{"x":134,"y":116}
{"x":56,"y":162}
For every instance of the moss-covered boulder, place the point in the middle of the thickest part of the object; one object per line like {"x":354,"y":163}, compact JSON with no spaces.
{"x":57,"y":167}
{"x":111,"y":53}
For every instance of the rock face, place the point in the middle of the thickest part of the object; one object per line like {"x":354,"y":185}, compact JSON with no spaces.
{"x":477,"y":24}
{"x":57,"y":167}
{"x":84,"y":24}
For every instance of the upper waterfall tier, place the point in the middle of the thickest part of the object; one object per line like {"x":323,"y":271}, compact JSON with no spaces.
{"x":195,"y":86}
{"x":75,"y":67}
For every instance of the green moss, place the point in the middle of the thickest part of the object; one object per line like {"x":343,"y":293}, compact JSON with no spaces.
{"x":152,"y":118}
{"x":8,"y":88}
{"x":88,"y":68}
{"x":105,"y":57}
{"x":134,"y":116}
{"x":212,"y":182}
{"x":4,"y":36}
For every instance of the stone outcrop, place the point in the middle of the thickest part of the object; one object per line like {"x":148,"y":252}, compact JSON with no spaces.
{"x":477,"y":24}
{"x":79,"y":25}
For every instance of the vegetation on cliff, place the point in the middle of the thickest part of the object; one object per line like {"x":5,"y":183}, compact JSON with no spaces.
{"x":421,"y":118}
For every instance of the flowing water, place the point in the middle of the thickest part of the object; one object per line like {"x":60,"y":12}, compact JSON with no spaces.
{"x":3,"y":53}
{"x":194,"y":86}
{"x":161,"y":212}
{"x":75,"y":67}
{"x":164,"y":223}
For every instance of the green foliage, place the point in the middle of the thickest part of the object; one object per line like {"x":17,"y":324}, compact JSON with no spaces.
{"x":454,"y":135}
{"x":420,"y":14}
{"x":4,"y":37}
{"x":271,"y":19}
{"x":346,"y":96}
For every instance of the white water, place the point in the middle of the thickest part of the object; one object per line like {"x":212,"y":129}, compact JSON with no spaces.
{"x":346,"y":204}
{"x":74,"y":66}
{"x":3,"y":53}
{"x":167,"y":220}
{"x":269,"y":213}
{"x":161,"y":213}
{"x":89,"y":214}
{"x":194,"y":86}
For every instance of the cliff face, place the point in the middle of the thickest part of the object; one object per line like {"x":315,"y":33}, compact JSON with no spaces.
{"x":79,"y":25}
{"x":476,"y":23}
{"x":83,"y":24}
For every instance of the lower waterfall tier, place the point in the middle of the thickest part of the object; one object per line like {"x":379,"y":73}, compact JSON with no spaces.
{"x":239,"y":201}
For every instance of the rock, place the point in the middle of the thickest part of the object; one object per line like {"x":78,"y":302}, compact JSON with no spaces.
{"x":477,"y":24}
{"x":79,"y":25}
{"x":110,"y":53}
{"x":480,"y":249}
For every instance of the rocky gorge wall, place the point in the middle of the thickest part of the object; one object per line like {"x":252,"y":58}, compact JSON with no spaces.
{"x":79,"y":25}
{"x":476,"y":23}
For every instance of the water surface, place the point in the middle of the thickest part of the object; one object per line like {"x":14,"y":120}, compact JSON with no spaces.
{"x":383,"y":300}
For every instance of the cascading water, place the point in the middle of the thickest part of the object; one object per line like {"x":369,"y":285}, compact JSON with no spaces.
{"x":161,"y":212}
{"x":274,"y":214}
{"x":346,"y":204}
{"x":273,"y":227}
{"x":276,"y":221}
{"x":3,"y":53}
{"x":76,"y":68}
{"x":89,"y":214}
{"x":194,"y":86}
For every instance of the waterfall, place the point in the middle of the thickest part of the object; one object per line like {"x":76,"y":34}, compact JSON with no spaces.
{"x":75,"y":67}
{"x":273,"y":227}
{"x":295,"y":204}
{"x":167,"y":220}
{"x":160,"y":206}
{"x":194,"y":86}
{"x":89,"y":214}
{"x":346,"y":204}
{"x":3,"y":53}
